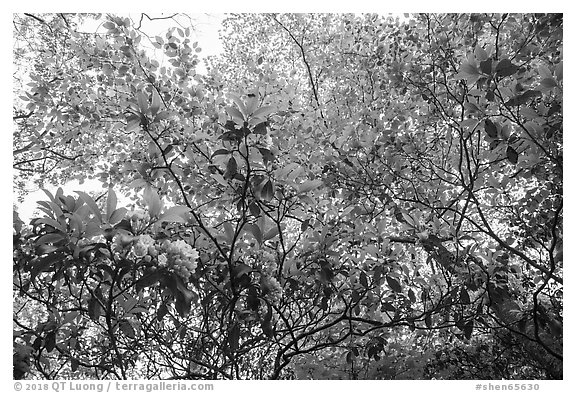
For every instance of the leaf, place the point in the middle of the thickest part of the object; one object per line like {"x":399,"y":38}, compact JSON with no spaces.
{"x":411,"y":295}
{"x":229,"y":231}
{"x":183,"y":296}
{"x":471,"y":107}
{"x":266,"y":322}
{"x":235,"y":113}
{"x":133,"y":124}
{"x":220,"y":152}
{"x":254,"y":209}
{"x":309,"y":186}
{"x":156,"y":102}
{"x":468,"y":328}
{"x":523,"y":98}
{"x":231,"y":168}
{"x":305,"y":224}
{"x":127,"y":329}
{"x":252,"y":300}
{"x":91,"y":204}
{"x":428,"y":320}
{"x":149,"y":279}
{"x":559,"y":71}
{"x":240,"y":269}
{"x":267,"y":192}
{"x":220,"y":179}
{"x":545,"y":72}
{"x":168,"y":149}
{"x":94,"y":309}
{"x":51,"y":222}
{"x":255,"y":230}
{"x":50,"y":341}
{"x":238,"y":103}
{"x":350,"y":357}
{"x":261,"y":128}
{"x":393,"y":284}
{"x":548,"y":83}
{"x":486,"y":66}
{"x":175,"y":214}
{"x":117,"y":215}
{"x":271,"y":233}
{"x":142,"y":99}
{"x":505,"y":68}
{"x":480,"y":53}
{"x":234,"y":337}
{"x":490,"y":128}
{"x":464,"y":297}
{"x":50,"y":238}
{"x":152,"y":200}
{"x":267,"y":155}
{"x":469,"y":69}
{"x":512,"y":155}
{"x":364,"y":280}
{"x":251,"y":105}
{"x":111,"y":202}
{"x":263,"y":111}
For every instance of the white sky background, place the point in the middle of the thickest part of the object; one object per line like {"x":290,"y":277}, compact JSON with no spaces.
{"x":207,"y":29}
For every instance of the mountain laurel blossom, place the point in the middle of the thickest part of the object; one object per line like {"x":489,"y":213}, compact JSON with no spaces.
{"x":182,"y":258}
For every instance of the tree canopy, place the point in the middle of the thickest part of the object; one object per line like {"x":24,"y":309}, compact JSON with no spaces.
{"x":338,"y":197}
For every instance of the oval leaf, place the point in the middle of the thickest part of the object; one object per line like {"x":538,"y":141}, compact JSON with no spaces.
{"x":255,"y":230}
{"x":393,"y":284}
{"x":91,"y":204}
{"x":263,"y":111}
{"x":111,"y":202}
{"x":480,"y":53}
{"x":235,"y":113}
{"x":152,"y":200}
{"x":490,"y":128}
{"x":127,"y":329}
{"x":156,"y":102}
{"x":512,"y":155}
{"x":267,"y":192}
{"x":309,"y":186}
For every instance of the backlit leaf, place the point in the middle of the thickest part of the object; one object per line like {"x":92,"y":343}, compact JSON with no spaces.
{"x":263,"y":111}
{"x":267,"y":192}
{"x":111,"y":202}
{"x":255,"y":230}
{"x":480,"y":53}
{"x":309,"y":185}
{"x":235,"y":113}
{"x":152,"y":200}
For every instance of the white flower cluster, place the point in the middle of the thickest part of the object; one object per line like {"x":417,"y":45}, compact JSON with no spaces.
{"x":145,"y":246}
{"x":139,"y":215}
{"x":272,"y":289}
{"x":180,"y":257}
{"x":139,"y":219}
{"x":177,"y":256}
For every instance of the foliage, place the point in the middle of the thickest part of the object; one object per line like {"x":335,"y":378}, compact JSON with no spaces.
{"x":341,"y":196}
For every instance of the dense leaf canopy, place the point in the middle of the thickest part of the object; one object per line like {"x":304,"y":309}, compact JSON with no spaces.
{"x":338,"y":196}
